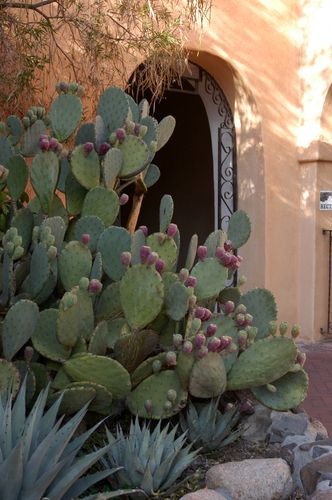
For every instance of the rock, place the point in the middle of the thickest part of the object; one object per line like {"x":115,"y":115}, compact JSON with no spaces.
{"x":285,"y":424}
{"x":317,"y":426}
{"x":204,"y":494}
{"x":257,"y":424}
{"x":324,"y":486}
{"x":315,"y":471}
{"x":305,"y":453}
{"x":322,"y":495}
{"x":256,"y":479}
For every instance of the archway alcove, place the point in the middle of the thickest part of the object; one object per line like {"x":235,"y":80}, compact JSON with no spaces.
{"x":198,"y":164}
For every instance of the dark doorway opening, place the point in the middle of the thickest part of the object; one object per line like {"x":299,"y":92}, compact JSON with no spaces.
{"x":186,"y":166}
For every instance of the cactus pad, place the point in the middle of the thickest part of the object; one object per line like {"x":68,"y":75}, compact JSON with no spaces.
{"x":145,"y":369}
{"x":261,"y":305}
{"x":23,"y":221}
{"x":166,"y":210}
{"x":112,"y":242}
{"x":15,"y":129}
{"x":142,"y":294}
{"x":86,"y":133}
{"x":165,"y":129}
{"x":98,"y":342}
{"x":9,"y":377}
{"x":30,"y":142}
{"x":137,"y":241}
{"x":208,"y":377}
{"x":102,"y":203}
{"x":102,"y":401}
{"x":135,"y":155}
{"x":214,"y":240}
{"x":85,"y":167}
{"x":131,"y":350}
{"x":65,"y":115}
{"x":17,"y":177}
{"x":166,"y":249}
{"x":191,"y":253}
{"x":239,"y":228}
{"x":230,"y":293}
{"x":44,"y":173}
{"x":111,"y":167}
{"x":74,"y":262}
{"x":155,"y":389}
{"x":45,"y":339}
{"x":6,"y":150}
{"x":211,"y":277}
{"x":291,"y":391}
{"x":177,"y":300}
{"x":100,"y":370}
{"x":151,"y":176}
{"x":109,"y":303}
{"x":113,"y":107}
{"x":39,"y":269}
{"x":91,"y":225}
{"x":74,"y":397}
{"x":19,"y":324}
{"x":58,"y":229}
{"x":262,"y":363}
{"x":75,"y":194}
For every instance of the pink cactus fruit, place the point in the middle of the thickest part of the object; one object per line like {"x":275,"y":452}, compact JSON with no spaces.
{"x":191,"y":282}
{"x":144,"y":253}
{"x":120,"y":134}
{"x":228,"y":307}
{"x":126,"y":259}
{"x":200,"y":340}
{"x":246,"y":407}
{"x":88,"y":147}
{"x":172,"y":230}
{"x":152,"y":259}
{"x":103,"y":148}
{"x":85,"y":238}
{"x":207,"y":314}
{"x":187,"y":346}
{"x":225,"y":343}
{"x":202,"y":252}
{"x":199,"y":312}
{"x":123,"y":199}
{"x":228,"y":246}
{"x":202,"y":352}
{"x":44,"y":143}
{"x":160,"y":266}
{"x":95,"y":287}
{"x":53,"y":144}
{"x":171,"y":359}
{"x":211,"y":330}
{"x":144,"y":230}
{"x":214,"y":344}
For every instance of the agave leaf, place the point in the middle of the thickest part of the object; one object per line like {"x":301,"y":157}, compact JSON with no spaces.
{"x":147,"y":481}
{"x":49,"y":418}
{"x":85,"y":482}
{"x":39,"y":489}
{"x":184,"y":458}
{"x":114,"y":494}
{"x":6,"y":441}
{"x":11,"y":473}
{"x":18,"y":414}
{"x":69,"y":477}
{"x":78,"y":442}
{"x":31,"y":427}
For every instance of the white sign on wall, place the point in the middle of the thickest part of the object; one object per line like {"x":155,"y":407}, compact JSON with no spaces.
{"x":325,"y":200}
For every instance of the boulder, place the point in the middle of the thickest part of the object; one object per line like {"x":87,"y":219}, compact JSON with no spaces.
{"x":256,"y":479}
{"x":315,"y":471}
{"x":306,"y":453}
{"x":204,"y":494}
{"x":257,"y":424}
{"x":287,"y":424}
{"x":322,"y":495}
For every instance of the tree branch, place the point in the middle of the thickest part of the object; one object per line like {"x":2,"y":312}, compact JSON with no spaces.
{"x":31,"y":6}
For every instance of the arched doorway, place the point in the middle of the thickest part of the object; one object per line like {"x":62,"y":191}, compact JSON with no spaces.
{"x":198,"y":164}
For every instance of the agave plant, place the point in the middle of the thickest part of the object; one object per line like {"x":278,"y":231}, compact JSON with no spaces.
{"x":38,"y":457}
{"x":209,"y":429}
{"x":151,"y":461}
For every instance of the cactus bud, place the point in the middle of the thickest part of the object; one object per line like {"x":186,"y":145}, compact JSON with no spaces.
{"x":225,"y":343}
{"x":232,"y":348}
{"x":156,"y":366}
{"x":85,"y":238}
{"x":171,"y":358}
{"x":271,"y":387}
{"x":69,"y":300}
{"x":168,"y":406}
{"x":201,"y":252}
{"x":18,"y":252}
{"x":242,"y":281}
{"x":172,"y":230}
{"x":144,"y":230}
{"x":301,"y":358}
{"x":247,"y":407}
{"x":26,"y":121}
{"x":112,"y":138}
{"x":137,"y":129}
{"x":229,"y":406}
{"x":272,"y":328}
{"x":126,"y":259}
{"x":52,"y":252}
{"x":295,"y":368}
{"x":211,"y":330}
{"x":152,"y":259}
{"x":153,"y":146}
{"x":214,"y":344}
{"x":88,"y":147}
{"x":144,"y":253}
{"x":148,"y":406}
{"x":295,"y":331}
{"x":187,"y":346}
{"x":252,"y":333}
{"x":249,"y":319}
{"x":63,"y":86}
{"x":202,"y":352}
{"x":228,"y":307}
{"x":199,"y":312}
{"x":192,"y":301}
{"x":120,"y":134}
{"x":240,"y":319}
{"x":142,"y":131}
{"x":196,"y":325}
{"x":95,"y":287}
{"x":283,"y":327}
{"x":17,"y":240}
{"x":199,"y":340}
{"x":228,"y":246}
{"x":84,"y":283}
{"x":103,"y":148}
{"x":160,"y":265}
{"x":28,"y":353}
{"x":9,"y":248}
{"x":177,"y":340}
{"x":241,"y":308}
{"x":35,"y":234}
{"x":242,"y":338}
{"x":171,"y":395}
{"x":183,"y":274}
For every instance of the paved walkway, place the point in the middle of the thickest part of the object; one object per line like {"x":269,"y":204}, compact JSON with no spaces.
{"x":318,"y":403}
